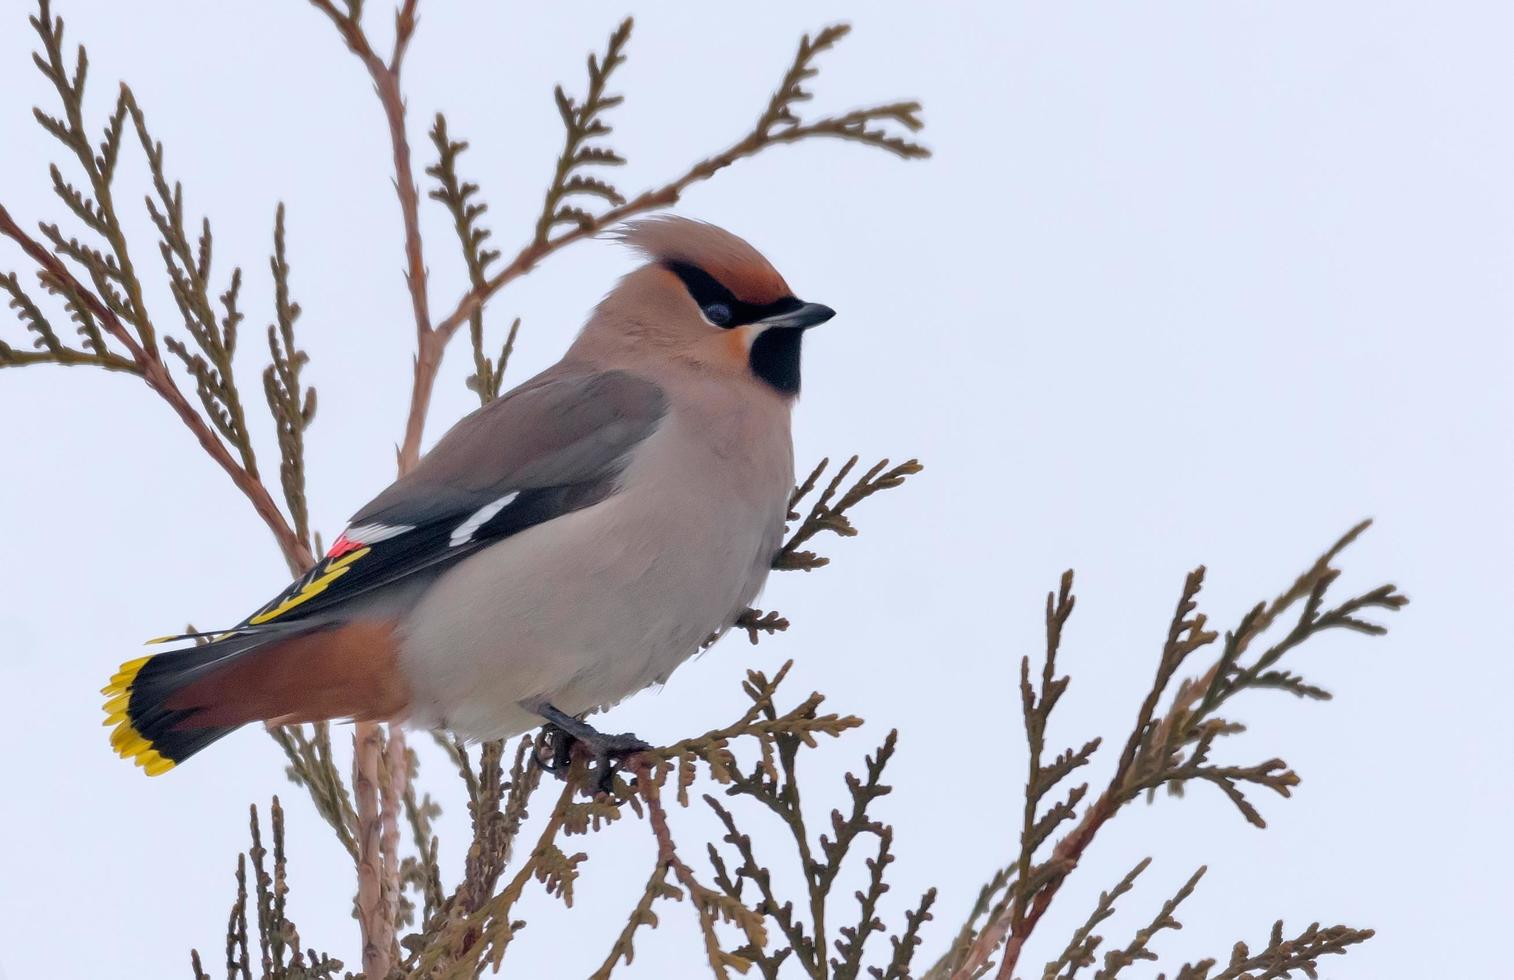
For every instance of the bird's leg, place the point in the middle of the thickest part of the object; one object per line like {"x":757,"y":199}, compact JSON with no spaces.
{"x":607,"y":749}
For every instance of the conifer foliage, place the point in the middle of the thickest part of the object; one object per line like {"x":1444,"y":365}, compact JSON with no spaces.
{"x":79,"y":301}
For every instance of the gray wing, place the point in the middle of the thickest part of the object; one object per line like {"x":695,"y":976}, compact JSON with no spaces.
{"x":554,"y":445}
{"x":553,"y":432}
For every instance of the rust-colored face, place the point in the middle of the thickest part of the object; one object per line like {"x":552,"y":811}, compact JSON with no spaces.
{"x":764,"y":337}
{"x":707,"y":297}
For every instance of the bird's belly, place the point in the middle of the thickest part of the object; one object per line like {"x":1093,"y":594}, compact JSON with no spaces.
{"x":584,"y":610}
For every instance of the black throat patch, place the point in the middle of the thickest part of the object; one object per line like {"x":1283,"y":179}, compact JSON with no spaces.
{"x":775,"y":358}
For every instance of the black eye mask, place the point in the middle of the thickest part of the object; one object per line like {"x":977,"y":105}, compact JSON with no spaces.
{"x":719,"y":305}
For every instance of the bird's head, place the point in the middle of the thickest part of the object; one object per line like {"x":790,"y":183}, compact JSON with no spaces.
{"x":705,"y":298}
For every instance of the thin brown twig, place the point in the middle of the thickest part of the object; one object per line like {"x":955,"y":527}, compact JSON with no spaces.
{"x":492,"y":920}
{"x":769,"y":131}
{"x":395,"y":772}
{"x":376,"y":914}
{"x":641,"y":915}
{"x":376,"y":927}
{"x":379,"y":789}
{"x":1186,"y":635}
{"x":386,"y":84}
{"x":161,"y":381}
{"x":667,"y":853}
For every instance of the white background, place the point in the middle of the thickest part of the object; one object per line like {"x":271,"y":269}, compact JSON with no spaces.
{"x":1183,"y":283}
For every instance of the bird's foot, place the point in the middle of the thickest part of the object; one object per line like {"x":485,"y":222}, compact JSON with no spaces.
{"x":555,"y":754}
{"x":563,"y":731}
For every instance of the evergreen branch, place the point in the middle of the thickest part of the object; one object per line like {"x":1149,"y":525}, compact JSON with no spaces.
{"x":830,"y":514}
{"x":1139,"y":947}
{"x":158,"y":378}
{"x":379,"y":873}
{"x":312,"y":768}
{"x":1080,"y":949}
{"x":99,"y":170}
{"x":800,"y":943}
{"x":847,"y":964}
{"x":291,"y":404}
{"x":1191,"y":725}
{"x":422,"y":872}
{"x":113,"y":309}
{"x":394,"y":786}
{"x":864,"y":792}
{"x":1171,"y":747}
{"x":711,"y":906}
{"x":1282,"y":957}
{"x":851,"y":126}
{"x":755,"y":622}
{"x":278,"y":939}
{"x":1026,"y":878}
{"x":88,"y":327}
{"x":988,"y":904}
{"x":641,"y":915}
{"x":457,"y":196}
{"x":464,"y":945}
{"x":906,"y":943}
{"x":790,"y":91}
{"x":779,"y":120}
{"x":49,"y":349}
{"x":489,"y":375}
{"x":583,"y":122}
{"x":237,"y":952}
{"x":497,"y":808}
{"x":1037,"y":707}
{"x":188,"y":269}
{"x":385,"y":74}
{"x":376,"y":927}
{"x":773,"y":782}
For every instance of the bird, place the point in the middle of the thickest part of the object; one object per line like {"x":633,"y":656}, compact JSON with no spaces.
{"x":566,"y":545}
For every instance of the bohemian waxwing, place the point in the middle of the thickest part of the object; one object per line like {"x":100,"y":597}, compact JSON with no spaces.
{"x":561,"y":548}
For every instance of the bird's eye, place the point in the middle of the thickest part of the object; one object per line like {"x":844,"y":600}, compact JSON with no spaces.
{"x":718,"y":314}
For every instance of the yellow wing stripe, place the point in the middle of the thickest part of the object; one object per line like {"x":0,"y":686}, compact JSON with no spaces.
{"x":125,"y":739}
{"x":313,"y":588}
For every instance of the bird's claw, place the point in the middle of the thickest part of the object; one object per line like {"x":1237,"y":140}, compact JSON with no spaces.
{"x":606,"y":751}
{"x":556,"y":755}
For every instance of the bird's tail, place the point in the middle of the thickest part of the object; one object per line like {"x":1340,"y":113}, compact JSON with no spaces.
{"x":165,"y":708}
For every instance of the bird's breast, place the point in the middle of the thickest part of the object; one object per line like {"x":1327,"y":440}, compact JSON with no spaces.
{"x":590,"y":607}
{"x":705,"y":499}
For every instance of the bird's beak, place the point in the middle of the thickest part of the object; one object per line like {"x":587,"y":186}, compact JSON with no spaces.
{"x":803,"y":316}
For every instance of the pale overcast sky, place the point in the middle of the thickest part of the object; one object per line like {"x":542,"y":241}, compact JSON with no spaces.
{"x":1183,"y":283}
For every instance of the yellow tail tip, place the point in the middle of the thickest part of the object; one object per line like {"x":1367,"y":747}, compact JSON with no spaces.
{"x":127,"y":742}
{"x":124,"y":738}
{"x":139,"y":751}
